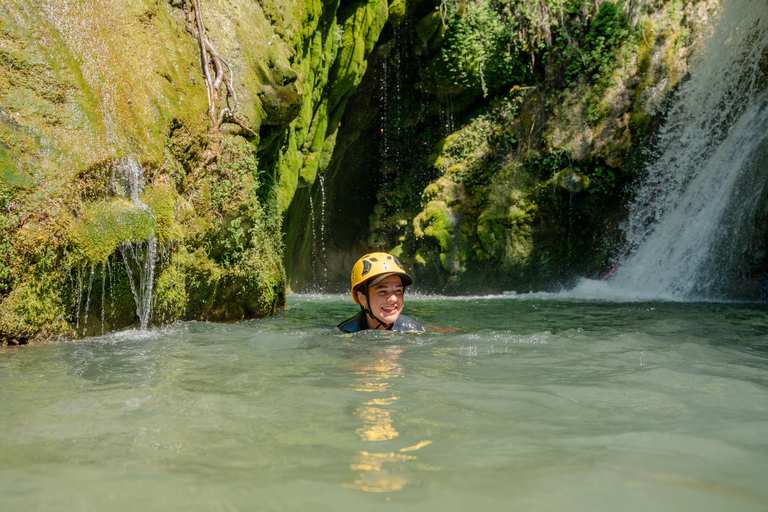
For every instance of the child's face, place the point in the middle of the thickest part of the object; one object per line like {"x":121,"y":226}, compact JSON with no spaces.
{"x":386,"y":299}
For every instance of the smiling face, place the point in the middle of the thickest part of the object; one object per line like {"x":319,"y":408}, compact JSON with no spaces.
{"x":386,"y":301}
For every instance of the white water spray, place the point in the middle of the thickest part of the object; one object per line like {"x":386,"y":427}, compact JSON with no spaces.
{"x":139,"y":256}
{"x":687,"y":226}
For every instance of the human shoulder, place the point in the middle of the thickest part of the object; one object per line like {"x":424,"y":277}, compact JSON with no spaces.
{"x":349,"y":325}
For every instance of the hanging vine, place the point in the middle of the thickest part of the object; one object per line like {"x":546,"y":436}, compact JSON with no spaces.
{"x":222,"y":101}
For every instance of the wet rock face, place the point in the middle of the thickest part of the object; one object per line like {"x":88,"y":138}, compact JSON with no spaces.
{"x":525,"y":184}
{"x":571,"y":181}
{"x":85,"y":84}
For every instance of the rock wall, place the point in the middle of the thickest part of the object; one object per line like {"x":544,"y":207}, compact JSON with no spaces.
{"x":106,"y":144}
{"x":491,"y":144}
{"x":494,"y":145}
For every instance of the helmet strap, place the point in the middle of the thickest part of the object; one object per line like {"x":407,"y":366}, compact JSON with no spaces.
{"x":367,"y":309}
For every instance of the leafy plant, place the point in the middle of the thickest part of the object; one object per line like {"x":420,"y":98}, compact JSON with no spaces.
{"x":602,"y":180}
{"x":480,"y":49}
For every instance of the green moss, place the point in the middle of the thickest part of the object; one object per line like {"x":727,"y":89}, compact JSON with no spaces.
{"x":361,"y":24}
{"x":203,"y":276}
{"x":508,"y":235}
{"x":170,"y":291}
{"x":435,"y":222}
{"x":105,"y":225}
{"x":161,"y":197}
{"x":11,"y":173}
{"x":187,"y":140}
{"x":428,"y":26}
{"x":33,"y":312}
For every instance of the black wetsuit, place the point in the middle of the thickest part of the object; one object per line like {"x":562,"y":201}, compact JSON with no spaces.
{"x":359,"y":323}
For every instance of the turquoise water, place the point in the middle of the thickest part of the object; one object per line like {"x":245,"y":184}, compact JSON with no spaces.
{"x":524,"y":403}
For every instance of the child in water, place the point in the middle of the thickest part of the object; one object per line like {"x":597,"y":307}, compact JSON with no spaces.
{"x":378,"y":286}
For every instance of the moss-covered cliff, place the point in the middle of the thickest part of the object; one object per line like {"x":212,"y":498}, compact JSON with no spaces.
{"x":494,"y":143}
{"x":110,"y":157}
{"x":146,"y":177}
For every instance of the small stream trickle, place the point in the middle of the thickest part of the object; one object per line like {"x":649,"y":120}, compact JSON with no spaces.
{"x":319,"y":250}
{"x":139,"y":256}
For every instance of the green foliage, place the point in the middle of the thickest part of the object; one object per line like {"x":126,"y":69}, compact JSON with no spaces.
{"x":602,"y":180}
{"x":236,"y":241}
{"x":471,"y":154}
{"x":545,"y":167}
{"x":479,"y":50}
{"x":493,"y":44}
{"x":590,"y":49}
{"x":8,"y":221}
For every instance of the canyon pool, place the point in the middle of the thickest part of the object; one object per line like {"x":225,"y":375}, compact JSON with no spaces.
{"x":531,"y":402}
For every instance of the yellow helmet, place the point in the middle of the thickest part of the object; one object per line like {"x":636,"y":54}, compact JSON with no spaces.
{"x":380,"y":265}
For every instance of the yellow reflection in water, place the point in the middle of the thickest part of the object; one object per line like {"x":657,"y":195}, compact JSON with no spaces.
{"x":374,"y":472}
{"x":377,"y":424}
{"x":379,"y":471}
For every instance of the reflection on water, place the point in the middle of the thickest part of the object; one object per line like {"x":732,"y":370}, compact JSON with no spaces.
{"x":379,"y":471}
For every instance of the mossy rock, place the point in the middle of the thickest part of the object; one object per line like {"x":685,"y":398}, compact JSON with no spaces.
{"x":170,"y":290}
{"x":430,"y":31}
{"x":202,"y":282}
{"x":33,"y":312}
{"x":281,"y":104}
{"x":161,"y":198}
{"x":571,"y":181}
{"x":105,"y":225}
{"x":434,"y":222}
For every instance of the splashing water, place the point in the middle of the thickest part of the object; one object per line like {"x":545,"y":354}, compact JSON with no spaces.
{"x":691,"y":220}
{"x":128,"y":180}
{"x":139,"y":259}
{"x":139,"y":256}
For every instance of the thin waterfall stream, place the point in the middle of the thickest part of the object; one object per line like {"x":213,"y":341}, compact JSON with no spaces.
{"x":139,"y":256}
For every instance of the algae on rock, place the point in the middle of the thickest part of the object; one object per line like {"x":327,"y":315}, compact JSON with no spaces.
{"x":86,"y":84}
{"x":492,"y":166}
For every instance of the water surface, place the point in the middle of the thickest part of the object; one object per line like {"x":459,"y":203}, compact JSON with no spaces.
{"x":514,"y":403}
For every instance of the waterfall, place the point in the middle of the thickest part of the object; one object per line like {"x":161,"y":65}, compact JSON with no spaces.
{"x":128,"y":180}
{"x":690,"y":224}
{"x":318,"y":251}
{"x":139,"y":259}
{"x":139,"y":256}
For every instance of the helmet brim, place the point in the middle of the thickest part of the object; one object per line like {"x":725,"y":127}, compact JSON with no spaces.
{"x":404,"y":278}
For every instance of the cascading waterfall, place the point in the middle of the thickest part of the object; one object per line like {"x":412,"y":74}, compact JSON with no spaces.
{"x":139,"y":259}
{"x":139,"y":256}
{"x":691,"y":221}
